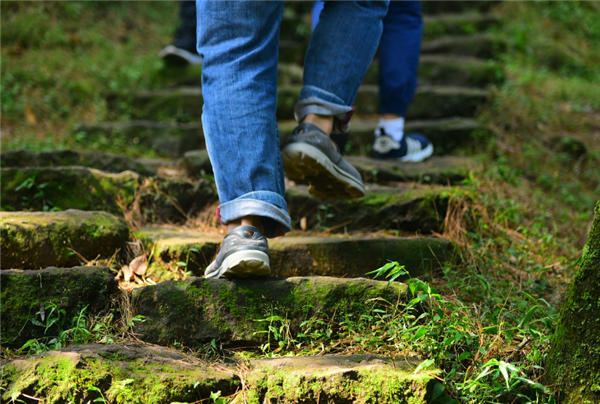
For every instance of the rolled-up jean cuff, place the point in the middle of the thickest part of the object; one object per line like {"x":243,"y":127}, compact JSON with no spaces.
{"x":314,"y":100}
{"x":259,"y":203}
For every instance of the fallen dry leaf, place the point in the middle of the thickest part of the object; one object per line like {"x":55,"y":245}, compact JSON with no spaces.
{"x":139,"y":265}
{"x":127,"y":274}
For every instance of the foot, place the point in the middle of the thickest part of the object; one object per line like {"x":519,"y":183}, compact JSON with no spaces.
{"x":311,"y":156}
{"x":179,"y":56}
{"x":244,"y":253}
{"x":411,"y":148}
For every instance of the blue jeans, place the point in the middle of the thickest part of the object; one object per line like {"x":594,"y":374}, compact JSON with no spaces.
{"x":399,"y":51}
{"x":239,"y":41}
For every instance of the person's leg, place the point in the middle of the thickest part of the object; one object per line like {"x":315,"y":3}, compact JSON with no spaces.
{"x":239,"y":43}
{"x":399,"y":51}
{"x":340,"y":51}
{"x":182,"y":51}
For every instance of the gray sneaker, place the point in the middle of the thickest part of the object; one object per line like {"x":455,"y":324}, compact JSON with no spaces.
{"x":243,"y":254}
{"x":311,"y":156}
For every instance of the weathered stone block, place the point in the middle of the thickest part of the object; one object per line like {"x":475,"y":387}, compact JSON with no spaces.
{"x":63,"y":158}
{"x":439,"y":25}
{"x":480,"y":45}
{"x":400,"y":208}
{"x":24,"y":293}
{"x":67,"y":188}
{"x":299,"y":256}
{"x":125,"y":373}
{"x":33,"y":240}
{"x":198,"y":310}
{"x":165,"y":139}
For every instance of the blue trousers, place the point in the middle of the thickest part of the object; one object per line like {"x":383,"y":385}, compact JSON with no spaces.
{"x":239,"y":41}
{"x":399,"y":51}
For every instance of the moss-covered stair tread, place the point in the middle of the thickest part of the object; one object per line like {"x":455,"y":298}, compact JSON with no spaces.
{"x":140,"y":374}
{"x":184,"y":103}
{"x":198,"y":310}
{"x":153,"y":199}
{"x":298,"y":256}
{"x":447,"y":135}
{"x":33,"y":240}
{"x":408,"y":208}
{"x":111,"y":163}
{"x":24,"y":294}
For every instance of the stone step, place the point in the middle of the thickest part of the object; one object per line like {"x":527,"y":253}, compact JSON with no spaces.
{"x":445,"y":6}
{"x":479,"y":45}
{"x":64,"y":158}
{"x":447,"y":135}
{"x":166,"y":139}
{"x":460,"y":71}
{"x":161,"y":375}
{"x":148,"y":200}
{"x":438,"y":69}
{"x":185,"y":103}
{"x":26,"y":293}
{"x":297,"y":256}
{"x":198,"y":310}
{"x":34,"y":240}
{"x":419,"y":209}
{"x":442,"y":170}
{"x":436,"y":170}
{"x":449,"y":70}
{"x":465,"y":23}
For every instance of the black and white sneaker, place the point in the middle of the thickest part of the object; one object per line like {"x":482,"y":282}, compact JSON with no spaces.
{"x":174,"y":55}
{"x":244,"y":253}
{"x":311,"y":156}
{"x":412,"y":148}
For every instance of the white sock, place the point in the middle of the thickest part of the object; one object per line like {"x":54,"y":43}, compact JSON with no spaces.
{"x":393,"y":128}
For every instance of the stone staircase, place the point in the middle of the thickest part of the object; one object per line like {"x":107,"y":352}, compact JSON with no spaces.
{"x":62,"y":209}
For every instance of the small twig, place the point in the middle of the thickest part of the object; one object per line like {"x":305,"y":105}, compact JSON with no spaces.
{"x":519,"y":349}
{"x":31,"y":398}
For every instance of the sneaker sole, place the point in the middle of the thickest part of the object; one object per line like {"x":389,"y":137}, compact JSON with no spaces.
{"x":418,"y":156}
{"x":244,"y":264}
{"x":179,"y":57}
{"x":304,"y":162}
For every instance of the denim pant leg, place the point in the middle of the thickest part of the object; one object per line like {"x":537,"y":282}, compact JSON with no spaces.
{"x":399,"y":56}
{"x":239,"y":42}
{"x":185,"y":37}
{"x":341,"y":49}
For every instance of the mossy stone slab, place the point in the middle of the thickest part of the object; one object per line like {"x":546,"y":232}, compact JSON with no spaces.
{"x":24,"y":293}
{"x":199,"y":310}
{"x":165,"y":139}
{"x":445,"y":6}
{"x":67,"y":188}
{"x":430,"y":102}
{"x":479,"y":45}
{"x":338,"y":379}
{"x":420,"y":209}
{"x":447,"y":135}
{"x":33,"y":240}
{"x":440,"y":25}
{"x":299,"y":256}
{"x":127,"y":373}
{"x":63,"y":158}
{"x":123,"y":374}
{"x":574,"y":359}
{"x":436,"y":170}
{"x":460,"y":71}
{"x":185,"y":103}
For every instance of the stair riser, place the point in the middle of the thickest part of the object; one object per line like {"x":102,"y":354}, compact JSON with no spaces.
{"x":179,"y":106}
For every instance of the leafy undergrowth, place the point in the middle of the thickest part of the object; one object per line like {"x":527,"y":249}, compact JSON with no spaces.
{"x":520,"y":224}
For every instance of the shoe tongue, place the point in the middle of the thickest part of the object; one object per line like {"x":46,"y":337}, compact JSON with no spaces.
{"x":305,"y":127}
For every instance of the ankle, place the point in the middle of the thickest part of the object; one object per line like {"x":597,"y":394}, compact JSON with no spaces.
{"x":324,"y":122}
{"x":246,"y":221}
